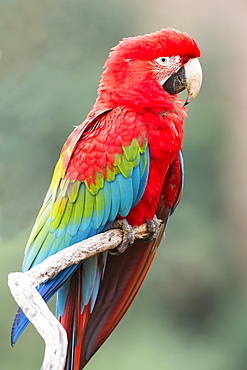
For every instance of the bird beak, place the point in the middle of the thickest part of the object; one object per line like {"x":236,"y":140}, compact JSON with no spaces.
{"x":193,"y":73}
{"x":188,"y":77}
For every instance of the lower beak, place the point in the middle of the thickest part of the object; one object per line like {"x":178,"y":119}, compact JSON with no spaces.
{"x":188,"y":77}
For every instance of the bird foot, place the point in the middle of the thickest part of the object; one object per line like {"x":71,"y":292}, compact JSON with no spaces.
{"x":153,"y":229}
{"x":128,"y":236}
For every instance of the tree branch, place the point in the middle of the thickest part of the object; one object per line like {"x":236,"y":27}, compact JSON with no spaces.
{"x":23,"y":288}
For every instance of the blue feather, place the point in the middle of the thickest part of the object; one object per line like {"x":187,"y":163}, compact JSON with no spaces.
{"x":115,"y":200}
{"x":107,"y":205}
{"x":135,"y":183}
{"x":144,"y":176}
{"x":47,"y":290}
{"x":126,"y":194}
{"x":89,"y":276}
{"x":89,"y":215}
{"x":95,"y":288}
{"x":88,"y":210}
{"x":99,"y":209}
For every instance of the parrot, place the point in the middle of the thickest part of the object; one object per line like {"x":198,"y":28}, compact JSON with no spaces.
{"x":122,"y":166}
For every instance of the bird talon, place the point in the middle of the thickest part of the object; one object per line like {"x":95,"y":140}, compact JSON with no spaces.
{"x":153,"y":228}
{"x":128,"y":236}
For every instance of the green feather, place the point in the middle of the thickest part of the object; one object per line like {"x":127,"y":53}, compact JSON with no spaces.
{"x":144,"y":147}
{"x":59,"y":214}
{"x":135,"y":162}
{"x":40,"y":221}
{"x":88,"y":209}
{"x":73,"y":190}
{"x":77,"y":211}
{"x":131,"y":151}
{"x":65,"y":219}
{"x":125,"y":167}
{"x":99,"y":209}
{"x":55,"y":207}
{"x":95,"y":184}
{"x":117,"y":159}
{"x":110,"y":175}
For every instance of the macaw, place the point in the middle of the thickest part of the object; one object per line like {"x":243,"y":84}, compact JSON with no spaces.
{"x":124,"y":162}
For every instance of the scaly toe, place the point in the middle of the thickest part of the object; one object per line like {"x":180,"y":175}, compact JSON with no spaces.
{"x":153,"y":228}
{"x":128,"y":236}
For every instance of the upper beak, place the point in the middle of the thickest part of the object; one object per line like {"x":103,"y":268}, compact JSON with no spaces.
{"x":188,"y":77}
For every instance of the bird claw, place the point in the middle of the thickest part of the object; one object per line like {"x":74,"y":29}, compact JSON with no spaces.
{"x":153,"y":229}
{"x":128,"y":236}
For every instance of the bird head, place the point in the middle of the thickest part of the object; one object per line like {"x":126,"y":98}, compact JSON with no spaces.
{"x":147,"y":71}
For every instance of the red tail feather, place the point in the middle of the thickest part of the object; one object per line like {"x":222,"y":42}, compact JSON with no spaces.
{"x":123,"y":277}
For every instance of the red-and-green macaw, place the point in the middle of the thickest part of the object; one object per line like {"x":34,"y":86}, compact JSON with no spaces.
{"x":123,"y":161}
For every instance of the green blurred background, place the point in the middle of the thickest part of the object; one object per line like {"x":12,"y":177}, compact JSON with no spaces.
{"x":191,"y":312}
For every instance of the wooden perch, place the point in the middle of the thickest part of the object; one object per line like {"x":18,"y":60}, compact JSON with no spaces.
{"x":22,"y":286}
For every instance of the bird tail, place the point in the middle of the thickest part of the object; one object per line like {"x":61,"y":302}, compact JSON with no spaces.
{"x":89,"y":322}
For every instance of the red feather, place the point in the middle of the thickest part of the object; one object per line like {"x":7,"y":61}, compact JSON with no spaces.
{"x":132,"y":87}
{"x":124,"y":274}
{"x":121,"y":281}
{"x":132,"y":103}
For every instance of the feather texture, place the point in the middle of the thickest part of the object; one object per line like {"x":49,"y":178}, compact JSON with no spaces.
{"x":75,"y":210}
{"x":123,"y":161}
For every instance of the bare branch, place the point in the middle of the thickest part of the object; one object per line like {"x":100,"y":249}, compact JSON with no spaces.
{"x":23,"y":288}
{"x":37,"y":311}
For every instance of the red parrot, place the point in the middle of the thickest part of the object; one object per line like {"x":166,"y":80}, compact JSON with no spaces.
{"x":124,"y":162}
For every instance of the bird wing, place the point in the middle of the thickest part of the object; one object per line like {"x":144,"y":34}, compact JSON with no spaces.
{"x":101,"y":173}
{"x":124,"y":274}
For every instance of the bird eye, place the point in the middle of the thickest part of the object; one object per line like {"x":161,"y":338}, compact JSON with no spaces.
{"x":163,"y":61}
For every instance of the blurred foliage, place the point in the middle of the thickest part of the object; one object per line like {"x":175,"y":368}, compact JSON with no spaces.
{"x":191,"y":311}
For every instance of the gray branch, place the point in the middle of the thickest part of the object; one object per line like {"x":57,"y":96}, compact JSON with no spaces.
{"x":22,"y":286}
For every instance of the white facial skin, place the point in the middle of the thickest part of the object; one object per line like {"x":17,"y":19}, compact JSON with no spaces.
{"x":164,"y":67}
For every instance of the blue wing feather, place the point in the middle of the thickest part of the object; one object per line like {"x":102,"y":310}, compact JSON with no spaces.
{"x":126,"y":194}
{"x":115,"y":200}
{"x":144,"y":169}
{"x":118,"y":197}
